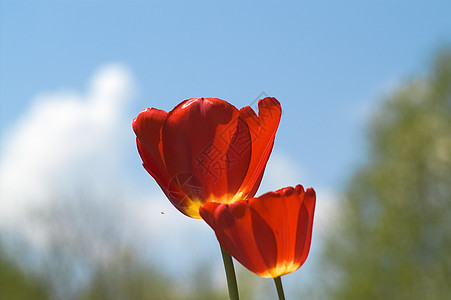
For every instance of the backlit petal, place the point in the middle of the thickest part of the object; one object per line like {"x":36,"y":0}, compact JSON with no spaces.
{"x":263,"y":130}
{"x":147,"y":127}
{"x":206,"y":140}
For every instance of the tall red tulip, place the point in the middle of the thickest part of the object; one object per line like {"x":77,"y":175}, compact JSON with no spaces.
{"x":206,"y":150}
{"x":270,"y":235}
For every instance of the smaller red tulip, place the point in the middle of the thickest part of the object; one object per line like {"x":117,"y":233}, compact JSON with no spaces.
{"x":270,"y":235}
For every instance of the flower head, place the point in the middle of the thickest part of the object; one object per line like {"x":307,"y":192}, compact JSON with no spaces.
{"x":270,"y":235}
{"x":206,"y":150}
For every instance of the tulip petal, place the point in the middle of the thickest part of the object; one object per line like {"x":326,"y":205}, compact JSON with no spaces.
{"x":201,"y":139}
{"x":270,"y":235}
{"x":304,"y":232}
{"x":233,"y":228}
{"x":147,"y":126}
{"x":263,"y":130}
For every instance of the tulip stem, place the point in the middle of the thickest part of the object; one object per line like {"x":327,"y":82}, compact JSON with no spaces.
{"x":230,"y":274}
{"x":279,"y":287}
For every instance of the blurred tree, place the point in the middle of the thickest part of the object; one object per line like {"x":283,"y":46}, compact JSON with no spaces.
{"x":126,"y":278}
{"x":16,"y":285}
{"x":394,"y":238}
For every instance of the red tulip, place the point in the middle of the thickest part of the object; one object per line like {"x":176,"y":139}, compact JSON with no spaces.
{"x":206,"y":150}
{"x":270,"y":235}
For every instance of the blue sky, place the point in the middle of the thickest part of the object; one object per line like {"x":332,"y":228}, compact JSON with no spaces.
{"x":328,"y":62}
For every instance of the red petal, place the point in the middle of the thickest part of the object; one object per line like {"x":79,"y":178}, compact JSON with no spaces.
{"x":147,"y":126}
{"x":263,"y":130}
{"x":233,"y":227}
{"x":270,"y":235}
{"x":206,"y":140}
{"x":304,"y":231}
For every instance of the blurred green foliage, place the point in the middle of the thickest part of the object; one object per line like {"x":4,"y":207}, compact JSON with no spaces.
{"x":128,"y":279}
{"x":394,"y":236}
{"x":15,"y":284}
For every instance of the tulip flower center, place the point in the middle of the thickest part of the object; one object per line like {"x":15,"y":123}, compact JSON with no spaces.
{"x":194,"y":204}
{"x":280,"y":269}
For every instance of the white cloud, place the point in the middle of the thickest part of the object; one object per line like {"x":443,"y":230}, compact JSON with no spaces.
{"x":62,"y":138}
{"x":60,"y":181}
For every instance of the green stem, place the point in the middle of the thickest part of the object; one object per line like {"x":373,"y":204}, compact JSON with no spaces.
{"x":279,"y":287}
{"x":230,"y":274}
